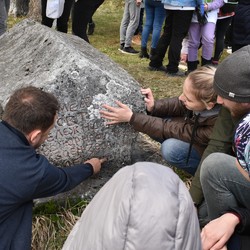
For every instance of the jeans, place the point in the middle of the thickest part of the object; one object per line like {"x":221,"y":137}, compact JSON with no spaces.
{"x":83,"y":10}
{"x":155,"y":16}
{"x":176,"y":27}
{"x":175,"y":152}
{"x":223,"y":185}
{"x":4,"y":9}
{"x":130,"y":22}
{"x":62,"y":21}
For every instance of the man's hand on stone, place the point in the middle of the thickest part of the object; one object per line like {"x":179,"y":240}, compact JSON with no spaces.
{"x":116,"y":115}
{"x":96,"y":163}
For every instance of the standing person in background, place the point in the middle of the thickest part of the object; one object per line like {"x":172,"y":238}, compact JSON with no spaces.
{"x":203,"y":33}
{"x":223,"y":22}
{"x":241,"y":25}
{"x":82,"y":12}
{"x":28,"y":118}
{"x":129,"y":23}
{"x":178,"y":18}
{"x":137,"y":35}
{"x":155,"y":16}
{"x":4,"y":10}
{"x":62,"y":21}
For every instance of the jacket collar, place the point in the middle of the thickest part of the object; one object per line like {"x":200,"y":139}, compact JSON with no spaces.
{"x":16,"y":132}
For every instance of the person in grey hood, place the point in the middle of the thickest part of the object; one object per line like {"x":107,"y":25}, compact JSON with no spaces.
{"x":144,"y":206}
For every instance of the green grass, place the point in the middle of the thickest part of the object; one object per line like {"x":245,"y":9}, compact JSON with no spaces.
{"x":53,"y":221}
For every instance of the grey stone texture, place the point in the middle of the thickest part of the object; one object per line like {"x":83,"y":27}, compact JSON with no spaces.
{"x":82,"y":78}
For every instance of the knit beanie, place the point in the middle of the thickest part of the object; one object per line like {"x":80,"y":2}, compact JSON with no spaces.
{"x":232,"y":77}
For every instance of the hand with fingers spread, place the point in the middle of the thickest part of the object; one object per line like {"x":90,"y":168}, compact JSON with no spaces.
{"x":119,"y":114}
{"x":216,"y":233}
{"x":149,"y":99}
{"x":96,"y":163}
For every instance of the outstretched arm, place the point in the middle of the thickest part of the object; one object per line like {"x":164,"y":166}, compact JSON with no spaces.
{"x":119,"y":114}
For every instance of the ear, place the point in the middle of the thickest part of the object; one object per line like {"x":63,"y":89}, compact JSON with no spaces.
{"x":34,"y":136}
{"x":210,"y":105}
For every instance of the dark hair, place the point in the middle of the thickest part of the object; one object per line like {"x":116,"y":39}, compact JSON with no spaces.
{"x":31,"y":108}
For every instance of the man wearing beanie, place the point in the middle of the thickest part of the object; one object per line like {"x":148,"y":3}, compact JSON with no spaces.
{"x":218,"y":179}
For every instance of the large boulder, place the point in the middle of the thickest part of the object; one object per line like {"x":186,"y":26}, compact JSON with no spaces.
{"x":82,"y":78}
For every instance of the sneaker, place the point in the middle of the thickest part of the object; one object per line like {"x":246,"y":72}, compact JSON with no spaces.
{"x":91,"y":28}
{"x":121,"y":47}
{"x":175,"y":74}
{"x":136,"y":40}
{"x":129,"y":50}
{"x":161,"y":68}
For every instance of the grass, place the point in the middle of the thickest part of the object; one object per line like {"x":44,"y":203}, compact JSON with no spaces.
{"x":53,"y":221}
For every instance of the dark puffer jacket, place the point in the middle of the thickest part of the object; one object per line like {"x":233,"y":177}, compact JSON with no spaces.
{"x":142,"y":207}
{"x":179,"y":126}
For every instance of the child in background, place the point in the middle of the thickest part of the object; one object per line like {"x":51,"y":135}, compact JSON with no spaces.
{"x":204,"y":34}
{"x":183,"y":124}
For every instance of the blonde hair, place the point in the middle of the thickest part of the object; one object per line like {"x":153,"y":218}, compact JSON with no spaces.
{"x":202,"y":80}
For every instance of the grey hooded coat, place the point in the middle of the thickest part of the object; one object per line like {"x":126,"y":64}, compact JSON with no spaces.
{"x":142,"y":207}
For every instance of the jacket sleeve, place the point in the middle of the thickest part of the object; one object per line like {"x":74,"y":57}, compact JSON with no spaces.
{"x":168,"y":107}
{"x":55,"y":180}
{"x":160,"y":128}
{"x":220,"y":141}
{"x":244,"y":226}
{"x":215,"y":5}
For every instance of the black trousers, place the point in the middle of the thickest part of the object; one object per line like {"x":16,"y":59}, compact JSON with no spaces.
{"x":62,"y":21}
{"x":175,"y":29}
{"x":220,"y":32}
{"x":83,"y":10}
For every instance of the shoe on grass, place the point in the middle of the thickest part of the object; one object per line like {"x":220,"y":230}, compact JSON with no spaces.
{"x":91,"y":28}
{"x":129,"y":50}
{"x":179,"y":73}
{"x":161,"y":68}
{"x":136,"y":40}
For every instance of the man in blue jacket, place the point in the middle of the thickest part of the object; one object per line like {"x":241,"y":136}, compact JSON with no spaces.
{"x":28,"y":117}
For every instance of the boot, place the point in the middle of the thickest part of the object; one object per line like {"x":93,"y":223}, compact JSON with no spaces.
{"x":144,"y":53}
{"x":205,"y":61}
{"x":152,"y":52}
{"x":191,"y":66}
{"x":91,"y":28}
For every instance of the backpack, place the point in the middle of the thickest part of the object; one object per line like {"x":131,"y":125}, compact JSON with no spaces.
{"x":229,"y":6}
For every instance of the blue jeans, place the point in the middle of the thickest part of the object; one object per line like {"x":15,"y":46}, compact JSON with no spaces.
{"x":4,"y":9}
{"x":175,"y":152}
{"x":223,"y":185}
{"x":155,"y":16}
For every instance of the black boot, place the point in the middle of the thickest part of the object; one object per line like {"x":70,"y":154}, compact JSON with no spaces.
{"x":91,"y":28}
{"x":205,"y":61}
{"x":191,"y":66}
{"x":144,"y":53}
{"x":152,"y":52}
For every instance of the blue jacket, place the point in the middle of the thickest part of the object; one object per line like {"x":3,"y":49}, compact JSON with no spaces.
{"x":183,"y":3}
{"x":24,"y":176}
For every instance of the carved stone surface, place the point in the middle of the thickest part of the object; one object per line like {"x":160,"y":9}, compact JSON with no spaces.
{"x":82,"y":78}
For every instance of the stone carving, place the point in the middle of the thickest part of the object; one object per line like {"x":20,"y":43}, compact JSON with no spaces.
{"x":82,"y":78}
